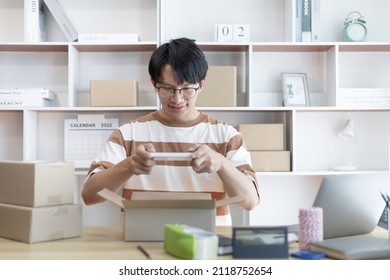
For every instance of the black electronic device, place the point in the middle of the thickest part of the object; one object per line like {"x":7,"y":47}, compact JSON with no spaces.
{"x":384,"y":219}
{"x":260,"y":242}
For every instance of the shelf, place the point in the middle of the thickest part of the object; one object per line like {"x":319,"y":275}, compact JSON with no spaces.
{"x":36,"y":47}
{"x":364,"y":47}
{"x":223,"y":47}
{"x":317,"y":173}
{"x":101,"y":47}
{"x":310,"y":133}
{"x":276,"y":109}
{"x":292,"y":47}
{"x":88,"y":109}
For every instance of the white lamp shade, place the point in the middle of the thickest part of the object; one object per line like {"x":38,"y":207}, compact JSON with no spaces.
{"x":348,"y":132}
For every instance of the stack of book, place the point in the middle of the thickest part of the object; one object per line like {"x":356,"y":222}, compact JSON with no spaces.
{"x":308,"y":20}
{"x":35,"y":25}
{"x":363,"y":97}
{"x":37,"y":11}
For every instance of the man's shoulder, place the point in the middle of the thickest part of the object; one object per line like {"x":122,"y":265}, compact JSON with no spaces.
{"x":213,"y":120}
{"x":145,"y":118}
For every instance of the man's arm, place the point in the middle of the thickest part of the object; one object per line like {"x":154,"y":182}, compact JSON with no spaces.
{"x":116,"y":176}
{"x":235,"y":182}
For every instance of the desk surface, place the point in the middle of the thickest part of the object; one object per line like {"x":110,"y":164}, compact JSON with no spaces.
{"x":100,"y":243}
{"x":94,"y":244}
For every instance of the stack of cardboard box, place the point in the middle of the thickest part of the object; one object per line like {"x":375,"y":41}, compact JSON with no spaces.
{"x":266,"y":145}
{"x":37,"y":201}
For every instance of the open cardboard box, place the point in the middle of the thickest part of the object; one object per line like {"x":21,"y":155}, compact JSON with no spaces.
{"x":146,"y":214}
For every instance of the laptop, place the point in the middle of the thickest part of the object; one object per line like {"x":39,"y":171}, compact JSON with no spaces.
{"x":352,"y":203}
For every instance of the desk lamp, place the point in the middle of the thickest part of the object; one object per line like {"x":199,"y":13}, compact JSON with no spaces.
{"x":348,"y":133}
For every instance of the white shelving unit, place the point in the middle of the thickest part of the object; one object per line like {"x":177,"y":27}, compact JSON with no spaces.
{"x":310,"y":132}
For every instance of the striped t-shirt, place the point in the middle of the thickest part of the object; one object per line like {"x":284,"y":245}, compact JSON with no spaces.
{"x":176,"y":175}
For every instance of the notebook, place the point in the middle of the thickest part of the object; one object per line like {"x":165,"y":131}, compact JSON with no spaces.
{"x":354,"y":248}
{"x":352,"y":203}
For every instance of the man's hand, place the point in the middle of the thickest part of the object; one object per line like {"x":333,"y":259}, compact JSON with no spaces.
{"x":205,"y":159}
{"x":141,"y":162}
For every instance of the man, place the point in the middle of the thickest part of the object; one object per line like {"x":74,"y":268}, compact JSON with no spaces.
{"x":220,"y":163}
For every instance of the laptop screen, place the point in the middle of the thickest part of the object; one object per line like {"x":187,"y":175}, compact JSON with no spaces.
{"x":352,"y":203}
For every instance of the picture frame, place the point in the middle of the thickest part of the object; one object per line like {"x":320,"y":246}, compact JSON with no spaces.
{"x":295,"y":89}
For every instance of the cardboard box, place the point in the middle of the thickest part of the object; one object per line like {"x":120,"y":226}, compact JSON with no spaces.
{"x":263,"y":137}
{"x":146,"y":214}
{"x":220,"y":89}
{"x":263,"y":161}
{"x":114,"y":93}
{"x":38,"y":224}
{"x":36,"y":183}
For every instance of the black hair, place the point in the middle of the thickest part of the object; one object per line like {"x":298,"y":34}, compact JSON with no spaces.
{"x":187,"y":60}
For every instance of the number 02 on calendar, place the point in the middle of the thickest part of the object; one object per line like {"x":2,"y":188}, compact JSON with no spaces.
{"x":232,"y":33}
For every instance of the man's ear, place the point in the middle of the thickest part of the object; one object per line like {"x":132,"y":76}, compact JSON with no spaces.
{"x":201,"y":84}
{"x":153,"y":83}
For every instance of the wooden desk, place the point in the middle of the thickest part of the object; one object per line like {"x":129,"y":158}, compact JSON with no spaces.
{"x":100,"y":243}
{"x":95,"y":243}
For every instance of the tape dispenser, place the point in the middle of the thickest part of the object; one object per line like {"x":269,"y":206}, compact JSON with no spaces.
{"x":190,"y":243}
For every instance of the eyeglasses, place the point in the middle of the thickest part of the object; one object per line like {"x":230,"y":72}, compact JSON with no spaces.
{"x":169,"y":92}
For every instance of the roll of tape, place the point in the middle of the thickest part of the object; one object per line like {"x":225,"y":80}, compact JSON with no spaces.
{"x":310,"y":226}
{"x":190,"y":243}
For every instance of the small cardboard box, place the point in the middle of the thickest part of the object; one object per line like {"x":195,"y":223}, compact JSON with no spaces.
{"x":146,"y":214}
{"x":36,"y":183}
{"x":114,"y":93}
{"x":263,"y":137}
{"x":38,"y":224}
{"x":220,"y":89}
{"x":266,"y":161}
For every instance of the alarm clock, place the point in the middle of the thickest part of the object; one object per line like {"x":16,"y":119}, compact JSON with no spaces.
{"x":354,"y":28}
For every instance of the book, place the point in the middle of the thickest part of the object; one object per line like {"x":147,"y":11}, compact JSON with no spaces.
{"x":298,"y":20}
{"x":353,"y":248}
{"x":35,"y":21}
{"x":62,"y":20}
{"x":315,"y":20}
{"x":367,"y":97}
{"x":225,"y":245}
{"x":26,"y":97}
{"x":306,"y":21}
{"x":108,"y":37}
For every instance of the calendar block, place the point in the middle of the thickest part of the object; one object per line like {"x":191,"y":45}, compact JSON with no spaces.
{"x":224,"y":32}
{"x":241,"y":33}
{"x":85,"y":139}
{"x":232,"y":33}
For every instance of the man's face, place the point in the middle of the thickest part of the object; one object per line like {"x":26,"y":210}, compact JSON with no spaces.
{"x":177,"y":108}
